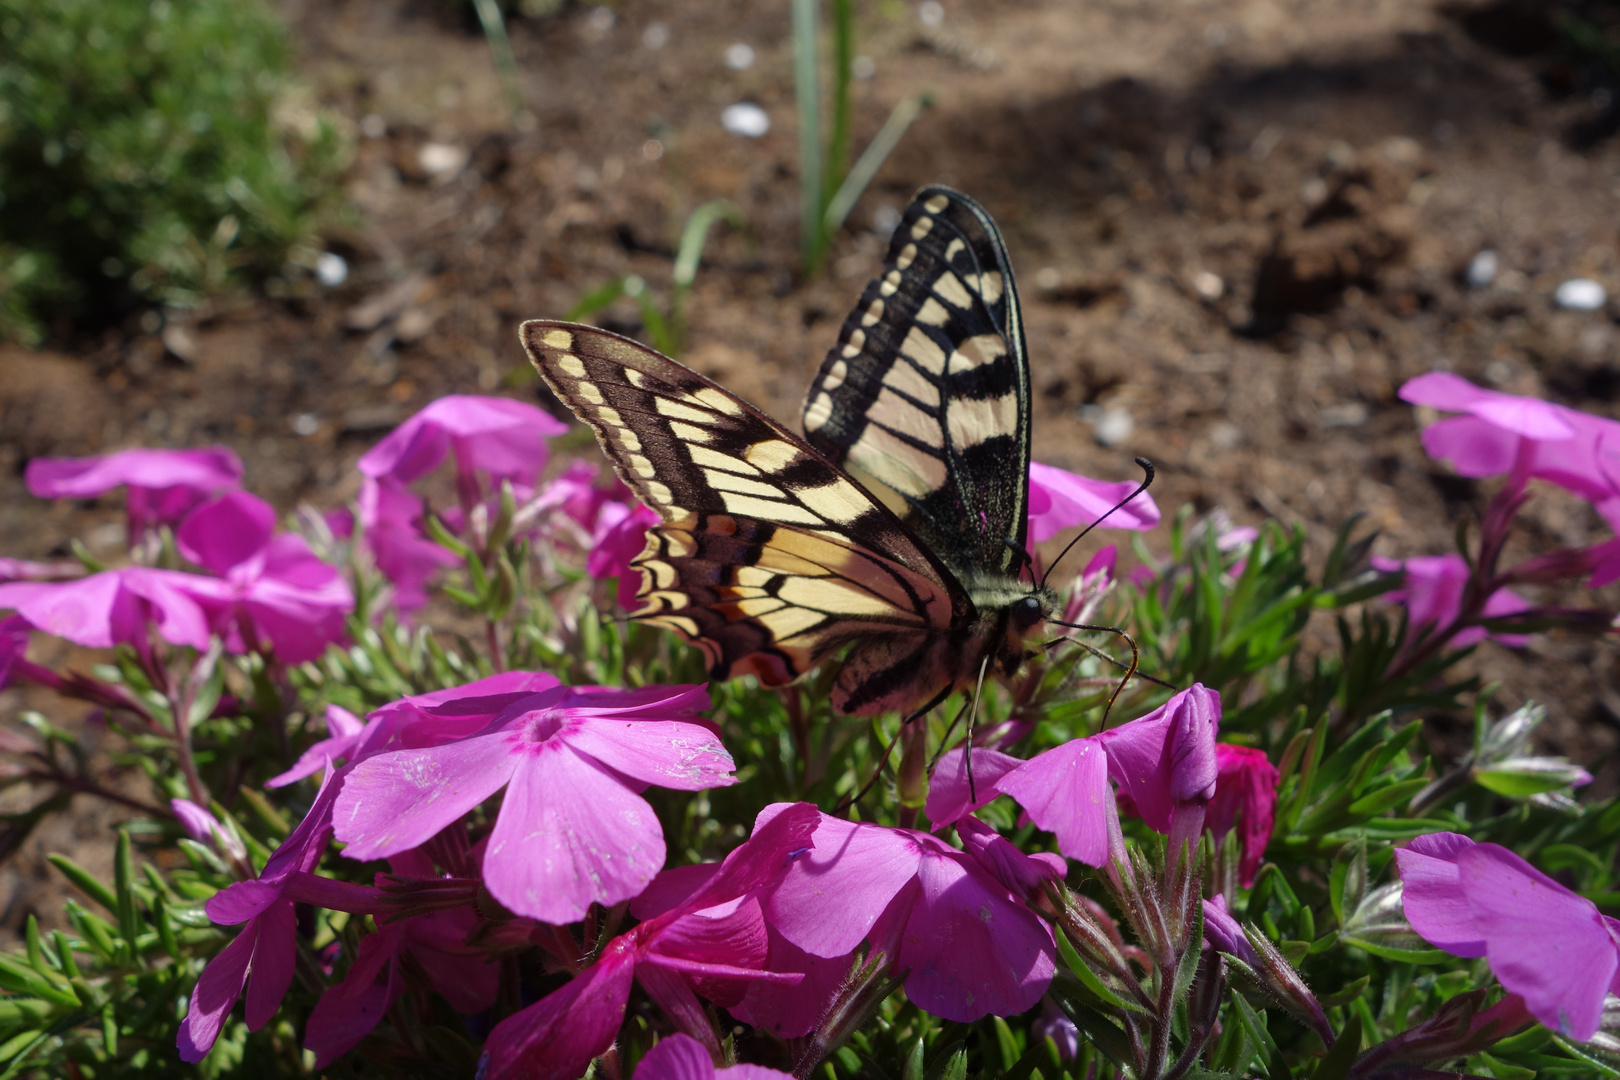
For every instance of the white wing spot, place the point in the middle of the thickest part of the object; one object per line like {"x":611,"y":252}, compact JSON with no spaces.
{"x":921,"y":227}
{"x":571,"y":365}
{"x":557,"y":339}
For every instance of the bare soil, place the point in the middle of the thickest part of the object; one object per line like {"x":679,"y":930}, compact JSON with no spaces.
{"x":1242,"y":224}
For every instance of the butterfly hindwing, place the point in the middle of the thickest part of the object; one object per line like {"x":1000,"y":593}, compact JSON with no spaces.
{"x":768,"y":556}
{"x":925,"y":398}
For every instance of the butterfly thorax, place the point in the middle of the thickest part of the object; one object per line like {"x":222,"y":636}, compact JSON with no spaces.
{"x":1008,"y":612}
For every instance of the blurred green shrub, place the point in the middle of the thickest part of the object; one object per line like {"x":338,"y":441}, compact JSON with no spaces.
{"x":149,"y":150}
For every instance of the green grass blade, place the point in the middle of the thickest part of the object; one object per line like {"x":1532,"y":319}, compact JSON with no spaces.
{"x":871,"y":160}
{"x":807,"y":92}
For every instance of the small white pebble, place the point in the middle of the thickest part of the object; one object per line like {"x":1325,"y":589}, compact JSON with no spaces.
{"x":331,"y":270}
{"x":652,"y":149}
{"x":1112,"y":427}
{"x":441,"y":160}
{"x":1482,"y":269}
{"x":740,"y":57}
{"x":1580,"y":294}
{"x":373,"y":126}
{"x":863,"y":67}
{"x":656,"y":36}
{"x":1048,"y":278}
{"x":601,"y":19}
{"x":885,"y":219}
{"x":1209,"y":285}
{"x":745,"y":118}
{"x":306,"y":424}
{"x":931,"y":12}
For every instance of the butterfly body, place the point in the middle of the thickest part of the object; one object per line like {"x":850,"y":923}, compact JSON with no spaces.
{"x":895,"y":529}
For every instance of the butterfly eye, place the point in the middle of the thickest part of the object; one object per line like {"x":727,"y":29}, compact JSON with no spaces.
{"x":1027,"y":612}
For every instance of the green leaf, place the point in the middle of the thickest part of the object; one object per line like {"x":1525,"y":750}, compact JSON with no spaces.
{"x":1345,"y":994}
{"x":85,"y":881}
{"x":1255,"y":1024}
{"x":1005,"y":1043}
{"x":1089,"y":979}
{"x":129,"y":926}
{"x":1335,"y":1065}
{"x":1386,"y":797}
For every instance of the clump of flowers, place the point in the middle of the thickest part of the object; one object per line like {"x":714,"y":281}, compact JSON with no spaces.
{"x":422,"y":801}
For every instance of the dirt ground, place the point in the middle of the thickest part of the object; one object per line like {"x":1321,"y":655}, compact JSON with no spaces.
{"x":1239,"y":226}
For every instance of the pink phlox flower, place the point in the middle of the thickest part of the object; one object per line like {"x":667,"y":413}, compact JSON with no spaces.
{"x":1433,"y":592}
{"x":29,"y":570}
{"x":1162,"y":760}
{"x":620,"y":535}
{"x":577,"y":494}
{"x":13,"y":645}
{"x":1023,"y":875}
{"x":681,"y":1057}
{"x":557,"y":1036}
{"x":204,"y":827}
{"x":271,"y":590}
{"x":344,"y":732}
{"x":967,"y":947}
{"x":261,"y":958}
{"x":1059,"y":499}
{"x":499,"y":437}
{"x":1545,"y":943}
{"x":1247,"y":785}
{"x":572,"y":829}
{"x":163,"y":484}
{"x":114,"y":607}
{"x":437,"y":941}
{"x":1089,"y":587}
{"x":442,"y":716}
{"x":1055,"y":1024}
{"x":1225,"y":933}
{"x":389,"y":518}
{"x":949,"y":795}
{"x":1501,"y":433}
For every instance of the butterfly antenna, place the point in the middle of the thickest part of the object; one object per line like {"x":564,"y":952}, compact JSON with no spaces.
{"x":842,"y":808}
{"x":1147,"y":480}
{"x":1099,"y":654}
{"x":1130,"y":671}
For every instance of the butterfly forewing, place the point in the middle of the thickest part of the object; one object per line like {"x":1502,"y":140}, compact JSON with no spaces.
{"x":925,"y":398}
{"x":768,"y":557}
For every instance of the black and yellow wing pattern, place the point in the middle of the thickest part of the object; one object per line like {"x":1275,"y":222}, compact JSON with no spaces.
{"x":925,"y":398}
{"x":768,"y":557}
{"x":895,"y":530}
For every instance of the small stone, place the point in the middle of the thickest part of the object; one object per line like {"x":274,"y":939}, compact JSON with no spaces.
{"x":331,"y":270}
{"x":1482,"y":269}
{"x":931,"y":12}
{"x":885,"y":219}
{"x":442,"y":161}
{"x":863,"y":67}
{"x":746,"y":119}
{"x":1209,"y":285}
{"x":1580,"y":294}
{"x":1111,"y":427}
{"x":306,"y":424}
{"x":373,"y":126}
{"x":655,"y":36}
{"x":740,"y":57}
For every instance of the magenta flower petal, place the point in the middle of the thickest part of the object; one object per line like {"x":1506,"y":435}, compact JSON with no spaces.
{"x":557,"y":1036}
{"x":1531,"y":418}
{"x":163,"y":484}
{"x":345,"y":731}
{"x":790,"y":1010}
{"x":400,"y":800}
{"x":1431,"y":893}
{"x":1475,"y":448}
{"x":272,"y":972}
{"x":227,"y":531}
{"x":1247,"y":787}
{"x":389,"y":515}
{"x":1020,"y":874}
{"x":501,"y":437}
{"x":568,"y":835}
{"x":949,"y":796}
{"x":783,"y":833}
{"x":215,"y":993}
{"x":1545,"y":943}
{"x":1226,"y":933}
{"x":620,"y":535}
{"x":112,"y":607}
{"x":831,"y":897}
{"x":1065,"y":791}
{"x":972,"y":949}
{"x":341,"y":1021}
{"x":678,"y":1057}
{"x":1059,"y":500}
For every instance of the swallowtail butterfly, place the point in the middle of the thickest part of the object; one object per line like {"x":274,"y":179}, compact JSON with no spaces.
{"x":895,"y":527}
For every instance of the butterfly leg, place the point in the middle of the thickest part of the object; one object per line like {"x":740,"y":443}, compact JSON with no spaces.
{"x":967,"y":753}
{"x":843,"y":807}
